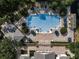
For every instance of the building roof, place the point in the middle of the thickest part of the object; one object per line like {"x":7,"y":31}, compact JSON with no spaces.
{"x":24,"y":56}
{"x":17,"y":35}
{"x":44,"y":55}
{"x":44,"y":52}
{"x":62,"y":56}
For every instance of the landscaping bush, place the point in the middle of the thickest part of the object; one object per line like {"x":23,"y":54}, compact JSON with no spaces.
{"x":63,"y":30}
{"x":33,"y":32}
{"x":57,"y":33}
{"x":25,"y":28}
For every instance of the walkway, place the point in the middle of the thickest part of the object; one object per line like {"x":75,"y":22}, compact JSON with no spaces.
{"x":56,"y":49}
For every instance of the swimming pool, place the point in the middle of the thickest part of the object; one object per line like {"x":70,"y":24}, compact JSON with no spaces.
{"x":43,"y":22}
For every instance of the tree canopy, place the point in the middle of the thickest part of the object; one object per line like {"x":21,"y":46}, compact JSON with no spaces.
{"x":25,"y":28}
{"x":63,"y":30}
{"x":7,"y":49}
{"x":74,"y":48}
{"x":9,"y":6}
{"x":60,"y":5}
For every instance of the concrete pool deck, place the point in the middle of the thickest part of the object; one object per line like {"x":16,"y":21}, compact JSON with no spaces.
{"x":46,"y":38}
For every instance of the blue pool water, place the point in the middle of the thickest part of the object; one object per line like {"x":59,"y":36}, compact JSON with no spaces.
{"x":43,"y":22}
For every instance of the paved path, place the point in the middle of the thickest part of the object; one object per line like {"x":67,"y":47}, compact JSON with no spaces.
{"x":56,"y":49}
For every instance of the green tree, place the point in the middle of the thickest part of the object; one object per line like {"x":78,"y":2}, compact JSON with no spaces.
{"x":68,"y":2}
{"x":61,"y":6}
{"x":24,"y":12}
{"x":71,"y":46}
{"x":54,"y":4}
{"x":7,"y":49}
{"x":8,"y":8}
{"x":63,"y":30}
{"x":25,"y":28}
{"x":74,"y":48}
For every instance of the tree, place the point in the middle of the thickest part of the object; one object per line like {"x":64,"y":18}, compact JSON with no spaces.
{"x":57,"y":33}
{"x":24,"y":12}
{"x":60,"y":6}
{"x":8,"y":6}
{"x":25,"y":28}
{"x":33,"y":32}
{"x":71,"y":46}
{"x":63,"y":30}
{"x":54,"y":4}
{"x":7,"y":49}
{"x":74,"y":48}
{"x":68,"y":2}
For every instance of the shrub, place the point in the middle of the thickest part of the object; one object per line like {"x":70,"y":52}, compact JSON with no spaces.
{"x":33,"y":32}
{"x":63,"y":30}
{"x":57,"y":33}
{"x":25,"y":28}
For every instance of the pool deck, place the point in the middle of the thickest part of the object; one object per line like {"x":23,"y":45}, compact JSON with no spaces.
{"x":48,"y":37}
